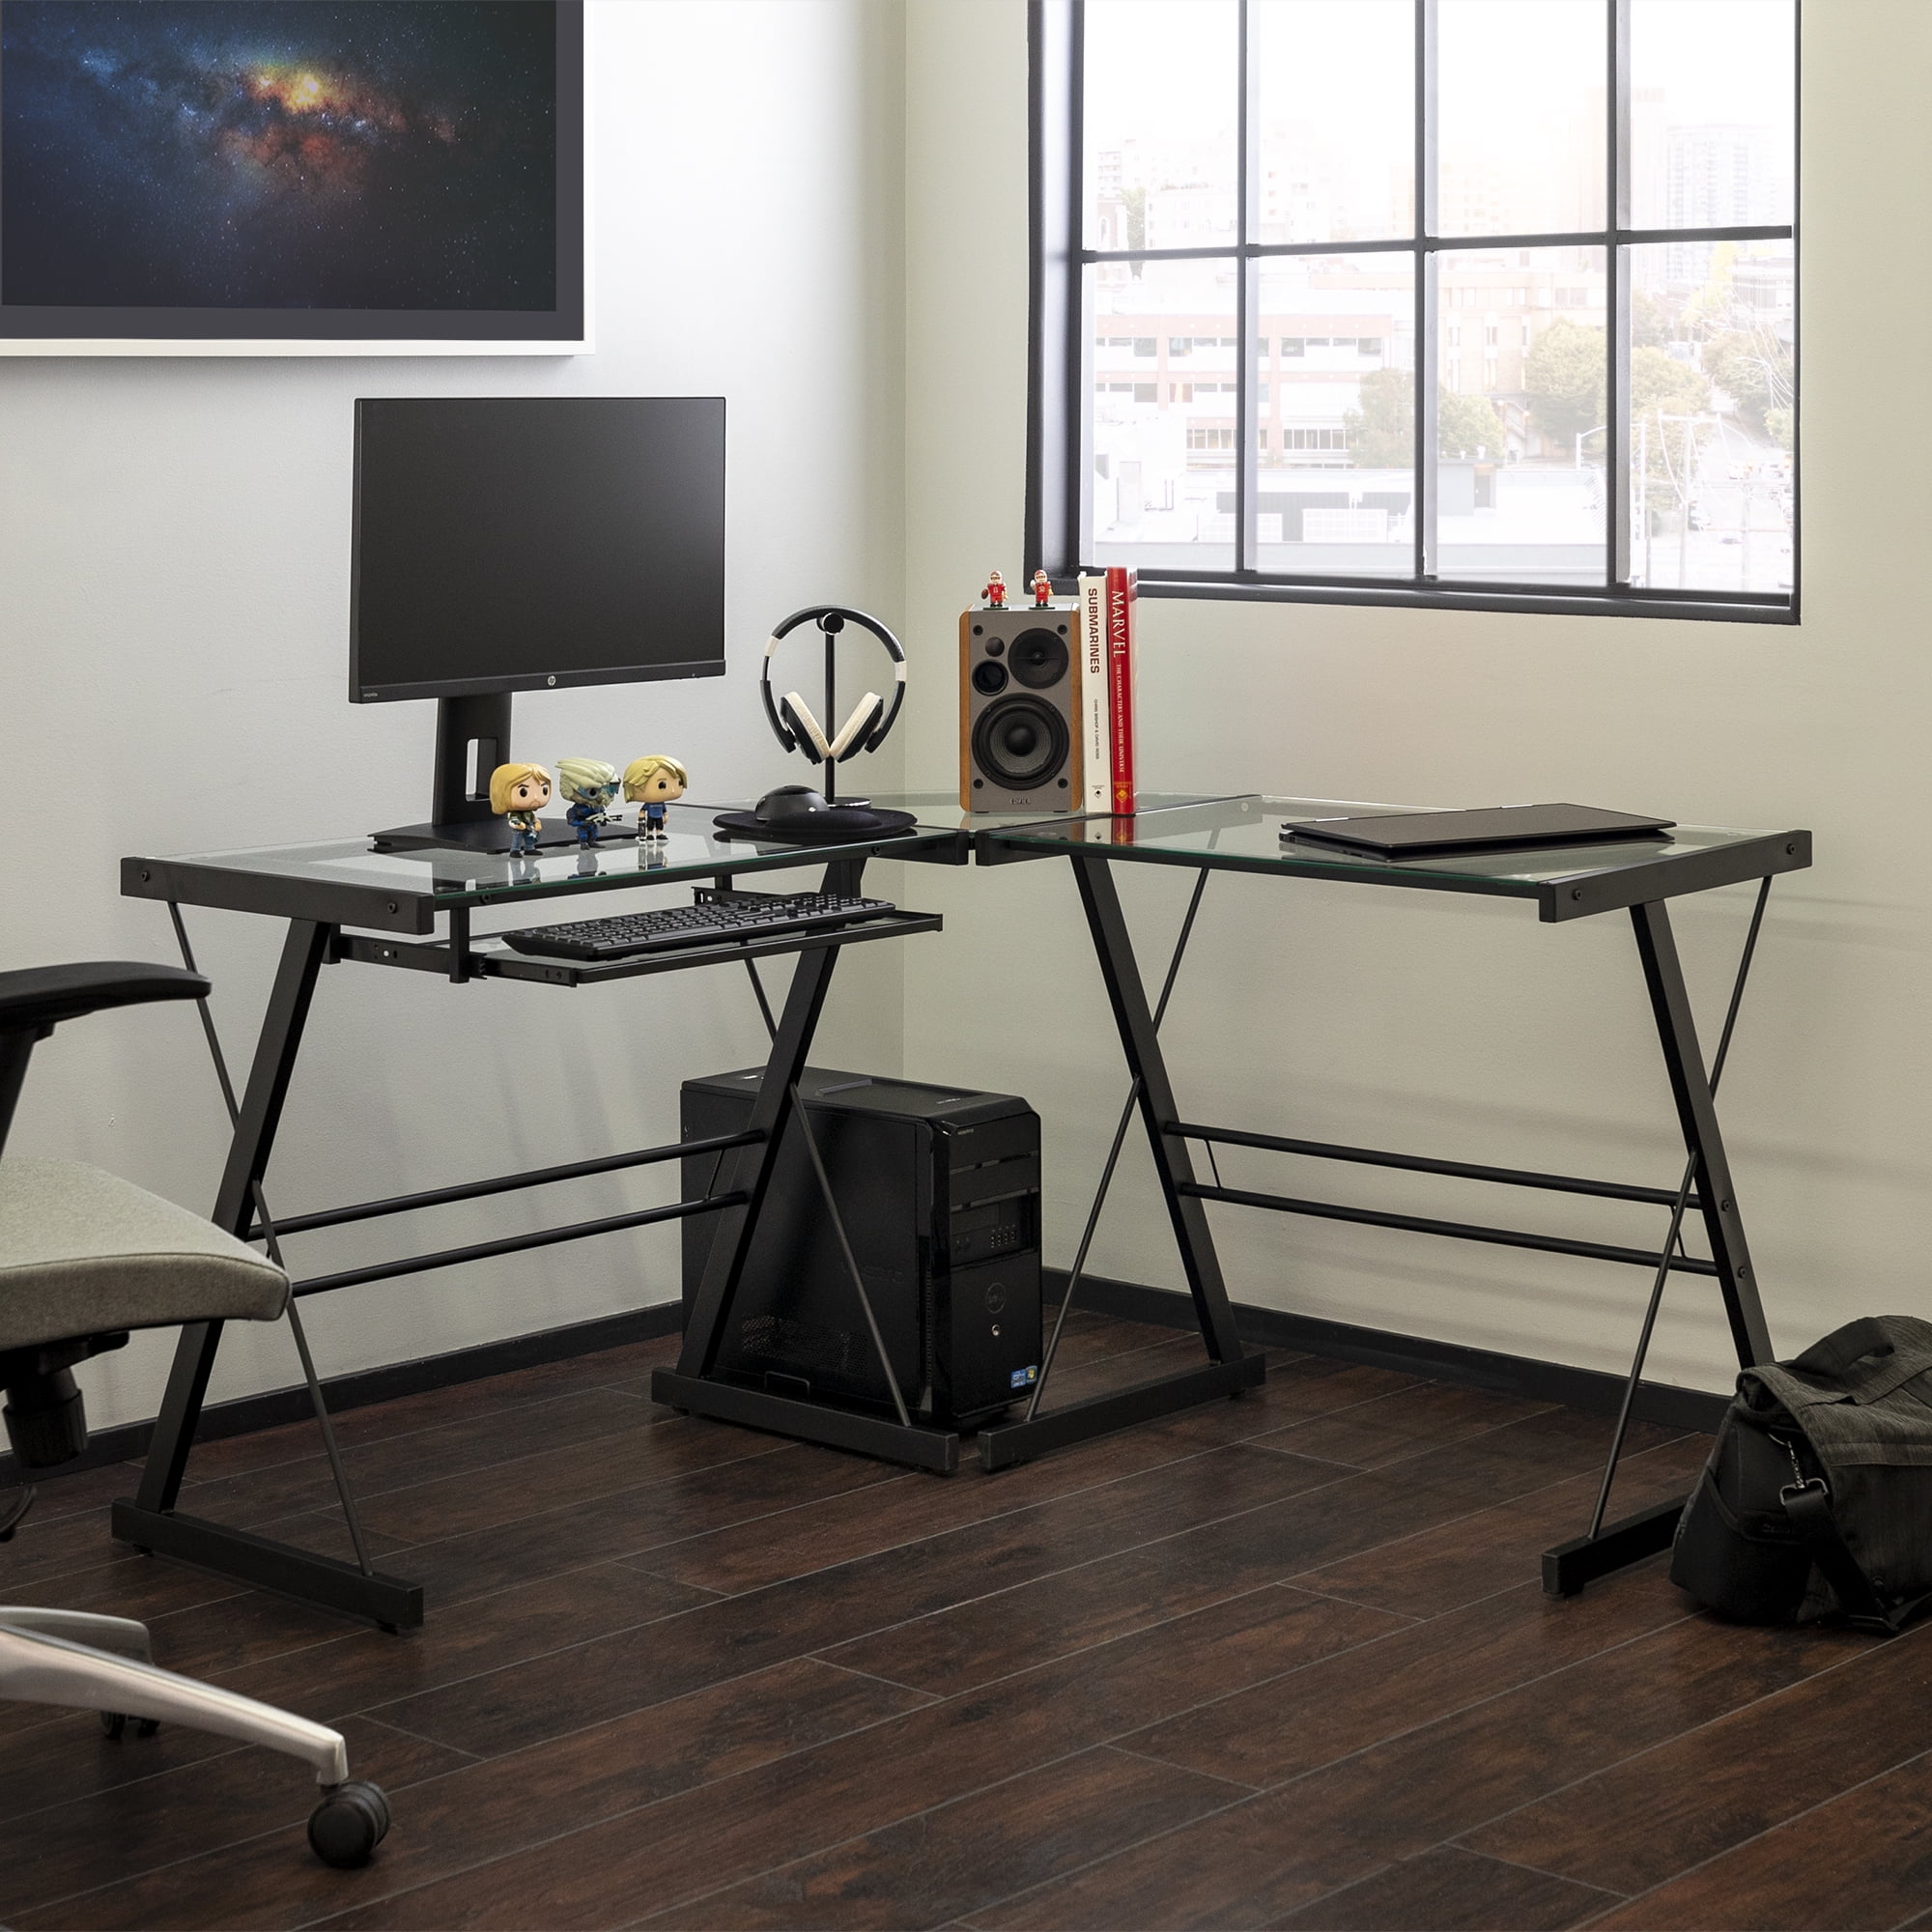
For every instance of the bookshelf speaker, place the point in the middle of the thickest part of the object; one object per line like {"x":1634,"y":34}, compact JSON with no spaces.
{"x":1020,"y":737}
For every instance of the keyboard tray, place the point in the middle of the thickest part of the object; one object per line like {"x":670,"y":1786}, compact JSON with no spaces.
{"x":492,"y":959}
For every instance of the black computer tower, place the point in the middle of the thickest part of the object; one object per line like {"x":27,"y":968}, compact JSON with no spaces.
{"x":939,"y":1192}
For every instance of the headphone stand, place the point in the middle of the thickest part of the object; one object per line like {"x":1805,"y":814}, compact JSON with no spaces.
{"x":872,"y":718}
{"x":832,"y":624}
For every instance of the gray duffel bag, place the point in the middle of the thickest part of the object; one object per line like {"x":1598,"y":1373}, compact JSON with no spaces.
{"x":1817,"y":1498}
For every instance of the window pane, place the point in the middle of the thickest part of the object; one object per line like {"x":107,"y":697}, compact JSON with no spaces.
{"x":1524,"y":129}
{"x":1336,"y":483}
{"x":1336,"y":80}
{"x":1522,"y":365}
{"x":1162,"y":94}
{"x":1713,"y":418}
{"x":1162,"y":368}
{"x":1714,"y":90}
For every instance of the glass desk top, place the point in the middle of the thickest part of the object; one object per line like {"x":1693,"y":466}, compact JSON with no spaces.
{"x":347,"y":884}
{"x":1567,"y":882}
{"x":343,"y":881}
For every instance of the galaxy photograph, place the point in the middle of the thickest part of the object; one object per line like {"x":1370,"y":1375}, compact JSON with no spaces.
{"x":332,"y":154}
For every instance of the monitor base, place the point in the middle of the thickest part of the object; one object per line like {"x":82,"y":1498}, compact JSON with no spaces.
{"x":491,"y":835}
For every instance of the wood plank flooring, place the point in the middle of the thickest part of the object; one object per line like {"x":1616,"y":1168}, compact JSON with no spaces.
{"x":1281,"y":1662}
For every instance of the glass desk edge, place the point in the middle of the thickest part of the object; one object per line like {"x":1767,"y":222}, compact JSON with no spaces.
{"x":1696,"y":858}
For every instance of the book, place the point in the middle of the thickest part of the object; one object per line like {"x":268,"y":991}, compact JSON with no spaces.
{"x":1121,"y":597}
{"x":1093,"y":717}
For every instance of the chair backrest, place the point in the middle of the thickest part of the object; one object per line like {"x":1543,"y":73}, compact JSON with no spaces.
{"x":34,"y":1000}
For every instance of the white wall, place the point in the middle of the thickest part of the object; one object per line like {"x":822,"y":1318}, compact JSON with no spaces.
{"x":1462,"y":1027}
{"x":174,"y":551}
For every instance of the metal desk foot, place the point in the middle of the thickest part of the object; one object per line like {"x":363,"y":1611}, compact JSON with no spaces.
{"x":1581,"y":1560}
{"x":259,"y":1561}
{"x":810,"y":1421}
{"x":1002,"y":1445}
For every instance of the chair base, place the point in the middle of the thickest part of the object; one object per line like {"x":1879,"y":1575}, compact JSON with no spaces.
{"x":40,"y":1663}
{"x":122,"y":1635}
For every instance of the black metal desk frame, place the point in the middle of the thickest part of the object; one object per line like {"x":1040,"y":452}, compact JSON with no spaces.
{"x":150,"y":1520}
{"x":1642,"y":889}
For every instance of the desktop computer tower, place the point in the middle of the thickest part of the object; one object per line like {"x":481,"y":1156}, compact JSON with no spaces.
{"x":939,"y":1192}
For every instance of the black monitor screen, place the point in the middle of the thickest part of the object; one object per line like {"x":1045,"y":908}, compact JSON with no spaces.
{"x":516,"y":543}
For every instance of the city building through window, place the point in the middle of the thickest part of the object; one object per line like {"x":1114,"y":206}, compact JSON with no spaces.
{"x":1285,"y":202}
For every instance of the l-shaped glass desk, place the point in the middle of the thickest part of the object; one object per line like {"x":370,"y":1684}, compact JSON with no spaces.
{"x":344,"y":903}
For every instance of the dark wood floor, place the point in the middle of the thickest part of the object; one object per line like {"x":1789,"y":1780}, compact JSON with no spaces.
{"x":1283,"y":1661}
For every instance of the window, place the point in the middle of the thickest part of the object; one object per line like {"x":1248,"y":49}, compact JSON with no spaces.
{"x":1605,"y":188}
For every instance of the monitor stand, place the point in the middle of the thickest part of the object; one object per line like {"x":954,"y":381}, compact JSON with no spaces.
{"x":472,"y":738}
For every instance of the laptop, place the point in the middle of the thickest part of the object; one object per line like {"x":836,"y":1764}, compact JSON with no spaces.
{"x":1427,"y":834}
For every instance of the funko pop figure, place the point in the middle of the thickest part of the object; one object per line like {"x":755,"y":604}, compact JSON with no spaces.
{"x":1043,"y":590}
{"x":995,"y":592}
{"x":653,"y":781}
{"x":520,"y":792}
{"x":591,"y":788}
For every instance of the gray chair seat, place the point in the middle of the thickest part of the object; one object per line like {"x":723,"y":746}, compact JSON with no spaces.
{"x":87,"y":1253}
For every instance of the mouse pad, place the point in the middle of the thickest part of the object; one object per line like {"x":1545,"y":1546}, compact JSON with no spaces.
{"x":835,"y":825}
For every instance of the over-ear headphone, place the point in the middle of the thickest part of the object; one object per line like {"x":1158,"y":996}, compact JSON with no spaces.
{"x":790,"y":716}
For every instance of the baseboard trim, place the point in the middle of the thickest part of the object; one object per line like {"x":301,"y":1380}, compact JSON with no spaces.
{"x":1134,"y":1301}
{"x":1413,"y":1354}
{"x":127,"y":1441}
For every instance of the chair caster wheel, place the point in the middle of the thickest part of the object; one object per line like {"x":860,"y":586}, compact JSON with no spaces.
{"x":114,"y":1723}
{"x":352,"y":1820}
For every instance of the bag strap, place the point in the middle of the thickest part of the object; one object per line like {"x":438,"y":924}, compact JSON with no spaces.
{"x":1843,"y":1348}
{"x":1808,"y":1506}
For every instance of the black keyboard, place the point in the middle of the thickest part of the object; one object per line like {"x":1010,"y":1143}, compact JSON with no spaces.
{"x":716,"y":917}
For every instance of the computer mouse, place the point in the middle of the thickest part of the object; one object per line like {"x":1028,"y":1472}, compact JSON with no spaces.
{"x":788,"y":804}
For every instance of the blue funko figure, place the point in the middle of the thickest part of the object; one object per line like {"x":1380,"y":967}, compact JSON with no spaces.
{"x":591,"y":788}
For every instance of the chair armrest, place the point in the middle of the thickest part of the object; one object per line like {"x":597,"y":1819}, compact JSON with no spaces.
{"x":40,"y":997}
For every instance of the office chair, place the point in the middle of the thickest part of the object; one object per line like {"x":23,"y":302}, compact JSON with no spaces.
{"x":84,"y":1258}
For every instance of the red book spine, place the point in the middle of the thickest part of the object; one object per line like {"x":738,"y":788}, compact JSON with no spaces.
{"x":1120,"y":683}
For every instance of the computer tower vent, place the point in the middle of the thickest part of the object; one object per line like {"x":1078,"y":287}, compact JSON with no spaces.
{"x":798,"y":1346}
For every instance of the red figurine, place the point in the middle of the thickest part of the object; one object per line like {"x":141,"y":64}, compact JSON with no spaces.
{"x":995,"y":592}
{"x":1043,"y":590}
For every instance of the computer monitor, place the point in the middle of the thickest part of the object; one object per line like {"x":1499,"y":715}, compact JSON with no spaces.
{"x":507,"y":543}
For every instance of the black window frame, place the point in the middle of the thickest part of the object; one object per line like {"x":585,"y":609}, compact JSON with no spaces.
{"x":1056,"y":348}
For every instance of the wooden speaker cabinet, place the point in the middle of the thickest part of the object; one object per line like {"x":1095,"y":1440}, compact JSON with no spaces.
{"x":1019,"y":731}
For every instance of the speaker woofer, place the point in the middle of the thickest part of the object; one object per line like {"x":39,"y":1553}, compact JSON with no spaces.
{"x":1020,"y":741}
{"x":1039,"y":659}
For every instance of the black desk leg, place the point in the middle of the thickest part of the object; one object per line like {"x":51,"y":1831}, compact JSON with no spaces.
{"x":748,"y":1171}
{"x":1610,"y":1546}
{"x":1697,"y":1114}
{"x":150,"y":1520}
{"x":1140,"y":1038}
{"x":1231,"y":1368}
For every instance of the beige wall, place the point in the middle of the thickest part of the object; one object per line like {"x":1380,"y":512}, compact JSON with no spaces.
{"x":1464,"y":1027}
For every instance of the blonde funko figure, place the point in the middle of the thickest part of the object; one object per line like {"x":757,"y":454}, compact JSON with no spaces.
{"x":591,"y":788}
{"x":652,"y":782}
{"x":520,"y":792}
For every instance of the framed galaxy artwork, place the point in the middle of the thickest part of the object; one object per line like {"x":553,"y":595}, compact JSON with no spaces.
{"x":292,"y":177}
